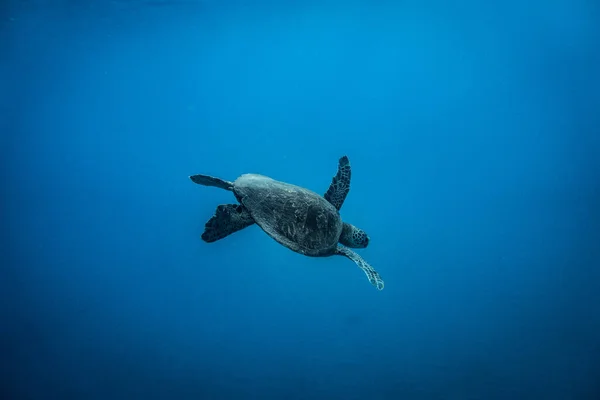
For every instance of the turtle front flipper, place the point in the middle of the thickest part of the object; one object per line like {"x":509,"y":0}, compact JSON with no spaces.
{"x":228,"y":218}
{"x":372,"y":275}
{"x":340,"y":184}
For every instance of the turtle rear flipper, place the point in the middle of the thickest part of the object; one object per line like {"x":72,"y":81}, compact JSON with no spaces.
{"x":228,"y":218}
{"x":211,"y":181}
{"x":340,"y":184}
{"x":373,"y":276}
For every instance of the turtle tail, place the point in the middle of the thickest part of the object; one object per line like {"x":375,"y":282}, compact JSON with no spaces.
{"x":212,"y":181}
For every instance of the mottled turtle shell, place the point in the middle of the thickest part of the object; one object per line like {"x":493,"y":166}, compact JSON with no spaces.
{"x":298,"y":218}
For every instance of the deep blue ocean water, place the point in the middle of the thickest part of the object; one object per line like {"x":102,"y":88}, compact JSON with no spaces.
{"x":473,"y":129}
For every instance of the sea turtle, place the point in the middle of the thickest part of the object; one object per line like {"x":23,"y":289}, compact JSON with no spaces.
{"x":299,"y":219}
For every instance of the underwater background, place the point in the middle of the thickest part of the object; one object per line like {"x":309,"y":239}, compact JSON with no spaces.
{"x":473,"y":130}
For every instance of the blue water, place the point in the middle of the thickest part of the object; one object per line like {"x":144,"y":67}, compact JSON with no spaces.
{"x":473,"y":133}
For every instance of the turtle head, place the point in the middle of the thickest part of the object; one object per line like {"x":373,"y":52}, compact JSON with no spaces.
{"x":353,"y":237}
